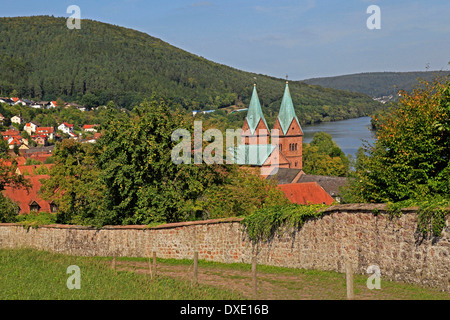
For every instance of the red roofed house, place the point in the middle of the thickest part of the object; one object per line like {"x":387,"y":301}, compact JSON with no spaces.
{"x":46,"y":131}
{"x":29,"y":200}
{"x":66,"y":127}
{"x":40,"y":139}
{"x":21,"y":142}
{"x":10,"y":133}
{"x":31,"y":127}
{"x":306,"y":193}
{"x":52,"y":104}
{"x":90,"y":127}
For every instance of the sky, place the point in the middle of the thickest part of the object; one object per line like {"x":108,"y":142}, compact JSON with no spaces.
{"x":302,"y":38}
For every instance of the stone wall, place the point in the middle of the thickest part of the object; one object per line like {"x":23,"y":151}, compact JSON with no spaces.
{"x":362,"y":234}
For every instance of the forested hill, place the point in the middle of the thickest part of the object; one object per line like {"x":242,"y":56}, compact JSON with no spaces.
{"x":377,"y":84}
{"x":40,"y":58}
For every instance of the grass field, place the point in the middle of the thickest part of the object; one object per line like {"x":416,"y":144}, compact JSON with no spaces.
{"x":30,"y":274}
{"x":37,"y":275}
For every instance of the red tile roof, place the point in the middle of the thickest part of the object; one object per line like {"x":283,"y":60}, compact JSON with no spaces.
{"x":10,"y":133}
{"x":16,"y":140}
{"x":43,"y":130}
{"x":306,"y":193}
{"x":24,"y":197}
{"x":20,"y":161}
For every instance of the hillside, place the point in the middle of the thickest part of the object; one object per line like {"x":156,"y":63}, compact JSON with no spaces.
{"x":376,"y":84}
{"x":40,"y":58}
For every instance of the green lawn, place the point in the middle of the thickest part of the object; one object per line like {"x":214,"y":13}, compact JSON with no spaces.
{"x":37,"y":275}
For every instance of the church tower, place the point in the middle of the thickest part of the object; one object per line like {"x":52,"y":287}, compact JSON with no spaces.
{"x":255,"y":129}
{"x":290,"y":137}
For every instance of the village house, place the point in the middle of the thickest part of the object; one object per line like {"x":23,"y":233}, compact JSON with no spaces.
{"x":16,"y":100}
{"x":306,"y":193}
{"x":18,"y":141}
{"x":31,"y":127}
{"x":52,"y":104}
{"x":7,"y":101}
{"x":40,"y":139}
{"x":29,"y":199}
{"x":90,"y":127}
{"x":17,"y":119}
{"x":10,"y":133}
{"x":66,"y":127}
{"x":40,"y":105}
{"x":49,"y":132}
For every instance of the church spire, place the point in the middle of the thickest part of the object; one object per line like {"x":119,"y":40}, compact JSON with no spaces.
{"x":255,"y":114}
{"x":287,"y":112}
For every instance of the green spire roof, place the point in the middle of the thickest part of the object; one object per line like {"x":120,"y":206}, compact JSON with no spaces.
{"x":287,"y":112}
{"x":254,"y":113}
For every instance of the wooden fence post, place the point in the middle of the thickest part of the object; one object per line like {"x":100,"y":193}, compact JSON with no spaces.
{"x":154,"y":264}
{"x":195,"y":280}
{"x":254,"y":277}
{"x":113,"y":264}
{"x":349,"y":277}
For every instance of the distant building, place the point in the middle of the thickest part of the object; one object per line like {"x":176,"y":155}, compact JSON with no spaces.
{"x":52,"y":104}
{"x":10,"y":133}
{"x":29,"y":199}
{"x":285,"y":149}
{"x":17,"y":119}
{"x":66,"y":127}
{"x":30,"y":127}
{"x":49,"y":132}
{"x":306,"y":193}
{"x":90,"y":127}
{"x":7,"y":101}
{"x":40,"y":139}
{"x":330,"y":184}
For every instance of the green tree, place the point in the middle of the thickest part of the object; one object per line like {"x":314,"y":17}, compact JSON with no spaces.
{"x":410,"y":158}
{"x":324,"y":157}
{"x":142,"y":183}
{"x":244,"y":192}
{"x":74,"y":184}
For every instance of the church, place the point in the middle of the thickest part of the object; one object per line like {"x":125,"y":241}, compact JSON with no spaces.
{"x":280,"y":147}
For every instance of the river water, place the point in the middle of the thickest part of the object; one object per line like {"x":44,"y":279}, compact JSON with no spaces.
{"x":348,"y":134}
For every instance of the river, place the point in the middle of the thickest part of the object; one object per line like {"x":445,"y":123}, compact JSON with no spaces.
{"x":348,"y":134}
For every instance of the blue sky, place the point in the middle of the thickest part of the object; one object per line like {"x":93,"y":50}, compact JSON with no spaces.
{"x":302,"y":38}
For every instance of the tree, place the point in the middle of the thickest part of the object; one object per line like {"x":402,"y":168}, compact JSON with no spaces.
{"x":410,"y":158}
{"x":324,"y":157}
{"x":74,"y":184}
{"x":142,"y":183}
{"x":244,"y":192}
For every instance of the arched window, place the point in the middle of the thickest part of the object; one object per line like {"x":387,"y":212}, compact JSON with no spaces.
{"x":295,"y":147}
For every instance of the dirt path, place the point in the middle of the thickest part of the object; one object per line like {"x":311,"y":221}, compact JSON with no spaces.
{"x":283,"y":286}
{"x":270,"y":286}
